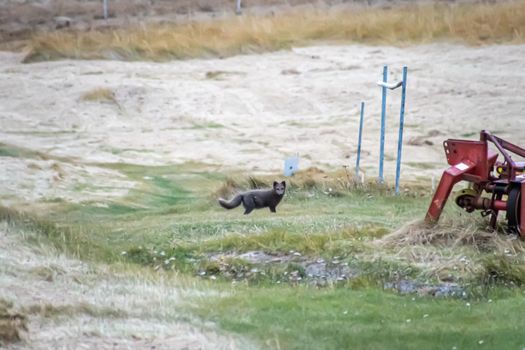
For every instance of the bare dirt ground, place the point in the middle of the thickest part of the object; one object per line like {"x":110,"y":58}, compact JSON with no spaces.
{"x":248,"y":112}
{"x":75,"y":305}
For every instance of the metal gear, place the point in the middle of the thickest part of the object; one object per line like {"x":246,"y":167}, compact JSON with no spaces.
{"x":465,"y":197}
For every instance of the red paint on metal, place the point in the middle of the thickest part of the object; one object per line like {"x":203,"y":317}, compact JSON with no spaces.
{"x":472,"y":161}
{"x":499,"y":205}
{"x":450,"y":177}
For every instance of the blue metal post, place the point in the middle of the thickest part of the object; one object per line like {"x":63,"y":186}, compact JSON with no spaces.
{"x":383,"y":122}
{"x":238,"y":10}
{"x":401,"y":123}
{"x":359,"y":140}
{"x":105,"y":5}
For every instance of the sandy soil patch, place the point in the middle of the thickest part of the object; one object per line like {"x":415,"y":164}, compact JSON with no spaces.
{"x":250,"y":112}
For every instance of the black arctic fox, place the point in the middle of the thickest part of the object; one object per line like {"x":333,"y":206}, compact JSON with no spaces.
{"x":257,"y":199}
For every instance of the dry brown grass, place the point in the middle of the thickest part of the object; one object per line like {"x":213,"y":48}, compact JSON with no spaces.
{"x":333,"y":182}
{"x":12,"y":324}
{"x":100,"y":95}
{"x":469,"y":23}
{"x":452,"y":233}
{"x":456,"y":246}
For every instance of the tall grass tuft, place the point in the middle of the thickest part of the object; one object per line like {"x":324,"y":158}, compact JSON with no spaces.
{"x":473,"y":24}
{"x":100,"y":95}
{"x":12,"y":324}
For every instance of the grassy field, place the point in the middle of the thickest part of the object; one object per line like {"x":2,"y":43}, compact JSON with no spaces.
{"x":302,"y":318}
{"x":473,"y":24}
{"x":171,"y":223}
{"x":340,"y":265}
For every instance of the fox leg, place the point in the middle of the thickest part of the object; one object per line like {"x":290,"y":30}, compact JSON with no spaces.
{"x":248,"y":204}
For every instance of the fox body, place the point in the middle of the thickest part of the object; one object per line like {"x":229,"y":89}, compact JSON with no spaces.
{"x":257,"y":199}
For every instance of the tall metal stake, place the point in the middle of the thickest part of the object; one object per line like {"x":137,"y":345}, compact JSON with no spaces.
{"x":238,"y":8}
{"x":105,"y":5}
{"x":383,"y":122}
{"x":359,"y":140}
{"x":401,"y":124}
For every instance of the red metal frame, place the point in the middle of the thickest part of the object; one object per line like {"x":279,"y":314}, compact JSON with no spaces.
{"x":474,"y":162}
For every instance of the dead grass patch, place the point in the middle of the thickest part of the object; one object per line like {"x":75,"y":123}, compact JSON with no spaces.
{"x":331,"y":183}
{"x":469,"y":23}
{"x":12,"y":324}
{"x":452,"y":232}
{"x":52,"y":311}
{"x":458,"y":247}
{"x":99,"y":95}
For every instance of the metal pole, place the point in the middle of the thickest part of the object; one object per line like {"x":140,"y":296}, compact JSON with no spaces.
{"x":105,"y":4}
{"x":359,"y":140}
{"x":401,"y":123}
{"x":383,"y":119}
{"x":238,"y":8}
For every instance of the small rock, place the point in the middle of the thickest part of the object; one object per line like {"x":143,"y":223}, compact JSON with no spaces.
{"x":290,"y":72}
{"x":62,"y":22}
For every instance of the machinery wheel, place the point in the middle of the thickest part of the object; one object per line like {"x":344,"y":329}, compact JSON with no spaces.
{"x":514,"y":210}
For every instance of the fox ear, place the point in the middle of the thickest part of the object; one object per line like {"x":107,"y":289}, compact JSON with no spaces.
{"x":275,"y":183}
{"x":283,"y":183}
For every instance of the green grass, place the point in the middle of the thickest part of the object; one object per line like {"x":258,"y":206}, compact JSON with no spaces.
{"x":167,"y":214}
{"x":172,"y":213}
{"x":179,"y":203}
{"x":17,"y":152}
{"x":174,"y":210}
{"x":306,"y":318}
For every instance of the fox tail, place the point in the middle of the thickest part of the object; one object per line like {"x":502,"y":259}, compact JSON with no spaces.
{"x":233,"y":203}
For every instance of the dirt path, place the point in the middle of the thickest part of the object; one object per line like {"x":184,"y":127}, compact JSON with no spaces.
{"x":75,"y":305}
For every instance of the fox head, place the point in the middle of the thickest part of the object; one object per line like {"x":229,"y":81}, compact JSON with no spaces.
{"x":279,"y":187}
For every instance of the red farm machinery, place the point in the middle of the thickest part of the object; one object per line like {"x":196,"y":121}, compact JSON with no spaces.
{"x":494,"y":185}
